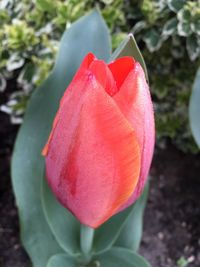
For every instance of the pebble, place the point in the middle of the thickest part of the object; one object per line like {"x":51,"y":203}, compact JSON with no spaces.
{"x":160,"y":235}
{"x":191,"y":259}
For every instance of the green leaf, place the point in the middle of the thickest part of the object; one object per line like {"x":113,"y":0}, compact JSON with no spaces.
{"x":107,"y":234}
{"x":131,"y":234}
{"x":26,"y":75}
{"x":193,"y":46}
{"x":123,"y":229}
{"x":115,"y":257}
{"x":87,"y":34}
{"x":194,"y":109}
{"x":184,"y":15}
{"x":176,"y":5}
{"x":46,"y":5}
{"x":129,"y":47}
{"x":184,"y":28}
{"x":120,"y":257}
{"x":170,"y":27}
{"x":65,"y":227}
{"x":61,"y":260}
{"x":139,"y":26}
{"x":153,"y":40}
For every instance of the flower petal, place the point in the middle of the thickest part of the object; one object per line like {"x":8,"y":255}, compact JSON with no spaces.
{"x":104,"y":76}
{"x":134,"y":101}
{"x":73,"y":92}
{"x":93,"y":162}
{"x":120,"y":68}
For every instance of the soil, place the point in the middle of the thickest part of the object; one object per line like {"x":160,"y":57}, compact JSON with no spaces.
{"x":172,"y":217}
{"x":171,"y":224}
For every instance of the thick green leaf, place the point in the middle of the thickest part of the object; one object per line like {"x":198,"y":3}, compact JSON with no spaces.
{"x":87,"y":34}
{"x":120,"y":257}
{"x":194,"y":109}
{"x":131,"y":234}
{"x":115,"y":257}
{"x":61,"y":260}
{"x":65,"y":227}
{"x":106,"y":235}
{"x":129,"y":47}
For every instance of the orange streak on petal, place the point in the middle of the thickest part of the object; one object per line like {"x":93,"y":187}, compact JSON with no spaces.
{"x":46,"y":147}
{"x":135,"y":103}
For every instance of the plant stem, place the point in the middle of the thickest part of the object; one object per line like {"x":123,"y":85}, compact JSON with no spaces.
{"x":86,"y":240}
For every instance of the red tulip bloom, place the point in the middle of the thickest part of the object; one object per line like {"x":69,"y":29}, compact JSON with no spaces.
{"x":100,"y":148}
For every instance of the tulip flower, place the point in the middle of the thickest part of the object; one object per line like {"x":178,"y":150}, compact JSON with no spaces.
{"x":100,"y":148}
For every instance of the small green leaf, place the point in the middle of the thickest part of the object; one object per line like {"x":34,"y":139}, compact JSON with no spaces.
{"x":121,"y":257}
{"x":61,"y":260}
{"x":170,"y":27}
{"x":131,"y":233}
{"x":27,"y":162}
{"x":139,"y":26}
{"x":182,"y":262}
{"x":184,"y":15}
{"x":14,"y":62}
{"x":26,"y":75}
{"x":176,"y":5}
{"x":193,"y":46}
{"x":184,"y":28}
{"x":129,"y":47}
{"x":64,"y":226}
{"x":153,"y":40}
{"x":46,"y":5}
{"x":194,"y":109}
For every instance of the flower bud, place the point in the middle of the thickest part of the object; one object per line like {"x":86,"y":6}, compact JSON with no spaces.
{"x":100,"y":148}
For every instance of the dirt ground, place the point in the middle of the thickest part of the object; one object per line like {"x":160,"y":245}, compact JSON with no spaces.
{"x":171,"y":224}
{"x":172,"y":218}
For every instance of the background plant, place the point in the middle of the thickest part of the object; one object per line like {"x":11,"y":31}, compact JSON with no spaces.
{"x":167,"y":31}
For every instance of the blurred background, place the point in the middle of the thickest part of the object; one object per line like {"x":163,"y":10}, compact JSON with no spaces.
{"x":168,"y":35}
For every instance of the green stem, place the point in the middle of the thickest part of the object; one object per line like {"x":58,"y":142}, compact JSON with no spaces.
{"x":86,"y":240}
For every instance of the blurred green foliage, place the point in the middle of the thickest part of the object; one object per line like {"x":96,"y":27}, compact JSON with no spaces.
{"x":167,"y":31}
